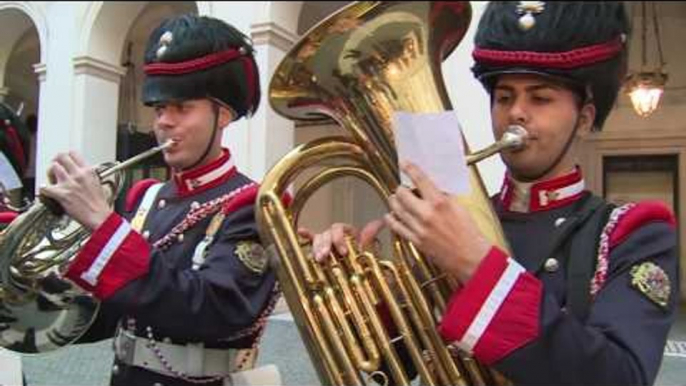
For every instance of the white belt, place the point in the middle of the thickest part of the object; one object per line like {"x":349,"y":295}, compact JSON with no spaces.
{"x":192,"y":360}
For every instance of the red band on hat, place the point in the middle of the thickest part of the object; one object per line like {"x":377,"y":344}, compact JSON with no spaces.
{"x":250,"y":80}
{"x":579,"y":57}
{"x":197,"y":64}
{"x":205,"y":62}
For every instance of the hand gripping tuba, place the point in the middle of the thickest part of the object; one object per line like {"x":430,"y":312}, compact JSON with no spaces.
{"x":39,"y":310}
{"x":358,"y":67}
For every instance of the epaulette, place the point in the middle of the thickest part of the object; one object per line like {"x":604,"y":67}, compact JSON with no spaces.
{"x":248,"y":197}
{"x":636,"y":215}
{"x":244,"y":197}
{"x":8,"y":217}
{"x":623,"y":221}
{"x":137,"y":191}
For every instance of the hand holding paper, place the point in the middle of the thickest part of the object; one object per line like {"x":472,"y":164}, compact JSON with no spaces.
{"x":433,"y":142}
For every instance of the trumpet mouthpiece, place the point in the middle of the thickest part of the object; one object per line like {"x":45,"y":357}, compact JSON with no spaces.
{"x":516,"y":136}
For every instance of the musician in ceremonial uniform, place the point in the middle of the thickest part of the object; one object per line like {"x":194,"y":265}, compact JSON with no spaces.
{"x":588,"y":292}
{"x":184,"y":282}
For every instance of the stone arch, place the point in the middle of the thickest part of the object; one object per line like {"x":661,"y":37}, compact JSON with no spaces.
{"x":12,"y":27}
{"x":105,"y":27}
{"x":132,"y":52}
{"x":100,"y":69}
{"x":24,"y":30}
{"x":107,"y":24}
{"x":108,"y":27}
{"x":20,"y":79}
{"x":21,"y":23}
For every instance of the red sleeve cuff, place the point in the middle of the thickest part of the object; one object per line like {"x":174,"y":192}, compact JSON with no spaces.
{"x":496,"y":312}
{"x":8,"y":217}
{"x":113,"y":256}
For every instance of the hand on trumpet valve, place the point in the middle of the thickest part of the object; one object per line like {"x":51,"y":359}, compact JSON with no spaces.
{"x":77,"y":188}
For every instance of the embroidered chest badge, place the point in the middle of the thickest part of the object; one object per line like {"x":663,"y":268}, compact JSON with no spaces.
{"x":651,"y":281}
{"x":252,"y":255}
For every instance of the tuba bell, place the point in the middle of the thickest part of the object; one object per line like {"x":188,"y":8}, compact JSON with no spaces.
{"x":40,"y":311}
{"x":358,"y":67}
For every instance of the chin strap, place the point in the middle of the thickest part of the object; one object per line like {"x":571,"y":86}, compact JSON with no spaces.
{"x":556,"y":161}
{"x":215,"y":110}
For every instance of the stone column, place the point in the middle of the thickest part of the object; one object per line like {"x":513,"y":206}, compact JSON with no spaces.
{"x":96,"y":98}
{"x":44,"y":144}
{"x":256,"y":143}
{"x":270,"y":136}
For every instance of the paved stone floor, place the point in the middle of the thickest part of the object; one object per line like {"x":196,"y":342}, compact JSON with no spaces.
{"x":88,"y":365}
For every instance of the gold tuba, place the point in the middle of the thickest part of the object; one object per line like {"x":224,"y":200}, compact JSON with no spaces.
{"x":39,"y":310}
{"x":358,"y":67}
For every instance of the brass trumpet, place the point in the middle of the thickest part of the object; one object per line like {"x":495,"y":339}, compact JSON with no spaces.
{"x":39,"y":310}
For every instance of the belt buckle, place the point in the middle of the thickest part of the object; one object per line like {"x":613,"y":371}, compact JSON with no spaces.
{"x":125,"y":347}
{"x":195,"y":358}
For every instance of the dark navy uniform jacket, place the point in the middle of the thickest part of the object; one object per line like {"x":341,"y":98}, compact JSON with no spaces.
{"x":147,"y":281}
{"x":512,"y":314}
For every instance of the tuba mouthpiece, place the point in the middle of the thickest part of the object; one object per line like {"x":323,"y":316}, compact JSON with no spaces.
{"x":515,"y":137}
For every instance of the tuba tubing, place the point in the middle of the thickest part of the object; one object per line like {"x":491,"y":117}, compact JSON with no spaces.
{"x":358,"y":67}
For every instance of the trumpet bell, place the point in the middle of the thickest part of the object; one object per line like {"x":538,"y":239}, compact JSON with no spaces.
{"x":39,"y":310}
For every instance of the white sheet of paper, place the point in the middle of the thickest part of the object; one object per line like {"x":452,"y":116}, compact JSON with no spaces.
{"x":8,"y":177}
{"x":433,"y":141}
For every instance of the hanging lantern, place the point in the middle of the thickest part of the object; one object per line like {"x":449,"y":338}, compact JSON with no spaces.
{"x":645,"y":88}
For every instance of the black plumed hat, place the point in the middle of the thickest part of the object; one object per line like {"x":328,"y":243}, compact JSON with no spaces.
{"x":582,"y":44}
{"x":194,"y":57}
{"x":14,"y":139}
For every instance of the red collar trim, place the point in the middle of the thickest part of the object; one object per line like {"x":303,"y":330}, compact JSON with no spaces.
{"x":205,"y":177}
{"x":523,"y":197}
